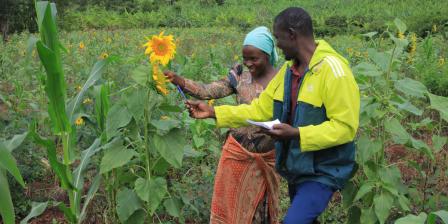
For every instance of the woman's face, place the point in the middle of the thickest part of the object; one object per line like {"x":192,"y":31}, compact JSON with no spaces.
{"x":255,"y":60}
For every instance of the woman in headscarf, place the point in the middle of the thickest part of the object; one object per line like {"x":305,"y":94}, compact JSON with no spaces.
{"x":246,"y":186}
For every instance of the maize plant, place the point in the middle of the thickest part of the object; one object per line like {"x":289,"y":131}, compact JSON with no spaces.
{"x":63,"y":118}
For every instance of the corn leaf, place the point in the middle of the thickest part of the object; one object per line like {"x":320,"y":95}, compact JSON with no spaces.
{"x":15,"y":141}
{"x":78,"y":179}
{"x":48,"y":50}
{"x":67,"y":213}
{"x":92,"y":191}
{"x":7,"y":162}
{"x":102,"y":108}
{"x":6,"y":206}
{"x":58,"y":168}
{"x":94,"y":76}
{"x":37,"y":208}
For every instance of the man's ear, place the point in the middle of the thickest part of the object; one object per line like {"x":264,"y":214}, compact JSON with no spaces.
{"x":292,"y":33}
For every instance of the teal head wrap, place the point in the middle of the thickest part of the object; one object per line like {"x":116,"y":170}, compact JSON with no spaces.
{"x":262,"y":39}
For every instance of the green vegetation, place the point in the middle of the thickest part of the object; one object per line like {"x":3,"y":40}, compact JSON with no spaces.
{"x":330,"y":17}
{"x":115,"y":137}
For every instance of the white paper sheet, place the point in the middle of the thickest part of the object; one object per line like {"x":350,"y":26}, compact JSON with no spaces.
{"x":266,"y":124}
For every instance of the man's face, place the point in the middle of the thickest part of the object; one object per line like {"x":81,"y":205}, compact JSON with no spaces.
{"x":285,"y":41}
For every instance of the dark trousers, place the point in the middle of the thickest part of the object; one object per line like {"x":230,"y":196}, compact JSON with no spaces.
{"x":308,"y":200}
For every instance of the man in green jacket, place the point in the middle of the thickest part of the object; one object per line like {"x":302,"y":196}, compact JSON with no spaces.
{"x":316,"y":98}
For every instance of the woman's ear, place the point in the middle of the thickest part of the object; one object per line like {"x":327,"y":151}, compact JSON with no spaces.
{"x":267,"y":58}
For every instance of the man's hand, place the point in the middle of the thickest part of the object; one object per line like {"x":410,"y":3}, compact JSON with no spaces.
{"x":199,"y":109}
{"x":283,"y":131}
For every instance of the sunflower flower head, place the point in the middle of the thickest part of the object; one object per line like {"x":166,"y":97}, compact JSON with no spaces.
{"x":350,"y":51}
{"x":104,"y":55}
{"x":366,"y":54}
{"x":160,"y":48}
{"x":87,"y":101}
{"x":159,"y":79}
{"x":82,"y":45}
{"x":79,"y":121}
{"x":400,"y":35}
{"x":211,"y":102}
{"x":441,"y":61}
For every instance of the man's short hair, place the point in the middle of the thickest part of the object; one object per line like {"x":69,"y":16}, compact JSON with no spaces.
{"x":295,"y":18}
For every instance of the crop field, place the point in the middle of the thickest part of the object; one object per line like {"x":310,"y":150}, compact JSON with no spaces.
{"x":92,"y":132}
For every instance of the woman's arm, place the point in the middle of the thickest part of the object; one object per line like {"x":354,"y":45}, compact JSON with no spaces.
{"x":213,"y":90}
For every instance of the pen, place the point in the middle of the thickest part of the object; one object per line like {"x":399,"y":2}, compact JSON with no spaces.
{"x":181,"y":92}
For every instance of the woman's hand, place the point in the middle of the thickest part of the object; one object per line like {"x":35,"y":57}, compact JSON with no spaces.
{"x":199,"y":109}
{"x":174,"y":78}
{"x":236,"y":70}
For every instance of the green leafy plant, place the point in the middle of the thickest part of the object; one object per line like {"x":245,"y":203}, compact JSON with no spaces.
{"x":389,"y":96}
{"x":424,"y":218}
{"x":145,"y":139}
